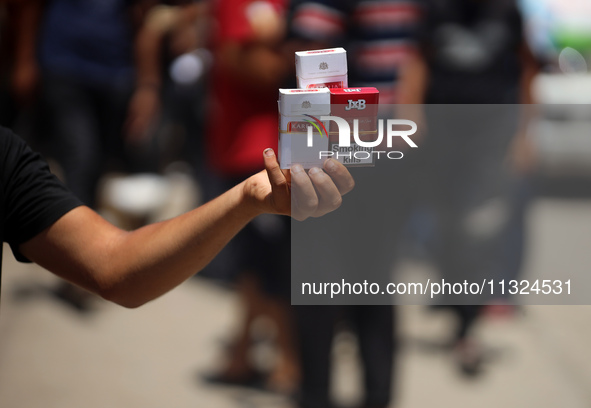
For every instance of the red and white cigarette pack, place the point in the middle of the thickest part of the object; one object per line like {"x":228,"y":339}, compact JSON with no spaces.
{"x":321,"y":68}
{"x":359,"y":108}
{"x":300,"y":109}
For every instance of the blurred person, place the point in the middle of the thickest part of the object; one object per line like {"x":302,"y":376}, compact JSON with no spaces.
{"x":172,"y":67}
{"x":472,"y":52}
{"x":86,"y":74}
{"x":86,"y":59}
{"x":161,"y":22}
{"x":378,"y":37}
{"x":248,"y":68}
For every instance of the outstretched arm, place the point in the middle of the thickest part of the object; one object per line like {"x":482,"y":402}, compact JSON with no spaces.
{"x":132,"y":268}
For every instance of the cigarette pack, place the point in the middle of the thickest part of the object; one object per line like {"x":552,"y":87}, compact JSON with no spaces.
{"x":359,"y":108}
{"x":302,"y":135}
{"x":321,"y":68}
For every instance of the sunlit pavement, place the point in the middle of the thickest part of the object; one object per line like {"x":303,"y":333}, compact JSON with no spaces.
{"x":154,"y":357}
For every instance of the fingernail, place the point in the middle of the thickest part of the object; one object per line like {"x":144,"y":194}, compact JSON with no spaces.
{"x":269,"y":152}
{"x":297,"y":168}
{"x":330,"y":165}
{"x":314,"y":170}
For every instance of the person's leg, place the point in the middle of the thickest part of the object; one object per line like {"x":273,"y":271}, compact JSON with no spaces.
{"x":375,"y":331}
{"x":285,"y":376}
{"x":261,"y":256}
{"x":256,"y":303}
{"x":315,"y":331}
{"x":74,"y":130}
{"x":238,"y":368}
{"x":272,"y":257}
{"x":514,"y":239}
{"x":471,"y":208}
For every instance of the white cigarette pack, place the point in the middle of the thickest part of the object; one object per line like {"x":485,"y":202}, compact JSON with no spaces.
{"x":299,"y":110}
{"x":321,"y":68}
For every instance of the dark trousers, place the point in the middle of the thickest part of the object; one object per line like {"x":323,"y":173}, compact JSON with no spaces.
{"x":374,"y":329}
{"x":85,"y":121}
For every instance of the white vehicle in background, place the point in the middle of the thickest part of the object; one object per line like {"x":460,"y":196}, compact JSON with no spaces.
{"x":563,"y":132}
{"x":559,"y":31}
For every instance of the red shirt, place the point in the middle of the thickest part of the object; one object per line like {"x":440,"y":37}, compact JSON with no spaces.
{"x":242,"y":120}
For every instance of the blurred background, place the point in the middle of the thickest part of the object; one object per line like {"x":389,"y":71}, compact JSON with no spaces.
{"x":148,"y":108}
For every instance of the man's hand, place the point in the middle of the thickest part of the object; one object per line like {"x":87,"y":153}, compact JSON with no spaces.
{"x":25,"y":80}
{"x":142,"y":112}
{"x":297,"y":193}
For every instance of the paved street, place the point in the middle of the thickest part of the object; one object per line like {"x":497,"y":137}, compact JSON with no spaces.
{"x":153,"y":357}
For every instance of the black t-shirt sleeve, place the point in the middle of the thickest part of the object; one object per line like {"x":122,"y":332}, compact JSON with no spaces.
{"x":32,"y":197}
